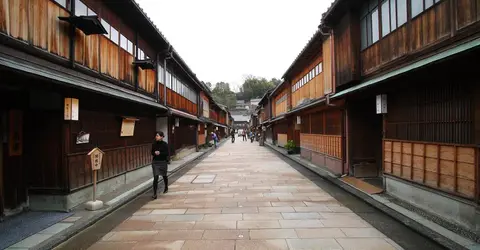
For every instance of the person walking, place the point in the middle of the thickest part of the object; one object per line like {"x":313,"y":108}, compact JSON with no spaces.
{"x":232,"y":134}
{"x":244,"y":134}
{"x":161,"y":158}
{"x":215,"y":139}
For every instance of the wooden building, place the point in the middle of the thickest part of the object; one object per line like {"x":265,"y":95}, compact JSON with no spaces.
{"x":316,"y":124}
{"x":79,"y":74}
{"x":414,"y":63}
{"x":280,"y":100}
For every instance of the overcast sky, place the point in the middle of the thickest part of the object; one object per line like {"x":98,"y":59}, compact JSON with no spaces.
{"x":227,"y":40}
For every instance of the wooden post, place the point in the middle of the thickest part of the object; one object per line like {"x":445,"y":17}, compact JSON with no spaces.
{"x":94,"y":185}
{"x":96,"y":156}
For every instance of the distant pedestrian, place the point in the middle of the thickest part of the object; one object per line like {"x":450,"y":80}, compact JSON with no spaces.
{"x":244,"y":135}
{"x":215,"y":139}
{"x":232,"y":134}
{"x":161,"y":158}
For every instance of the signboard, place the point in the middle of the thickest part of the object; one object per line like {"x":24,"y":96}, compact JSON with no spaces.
{"x":299,"y":120}
{"x":96,"y":156}
{"x":83,"y":138}
{"x":71,"y":106}
{"x":381,"y":104}
{"x":128,"y":127}
{"x":177,"y":122}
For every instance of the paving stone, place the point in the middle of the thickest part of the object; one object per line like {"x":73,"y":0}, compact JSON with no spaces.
{"x":113,"y":245}
{"x":203,"y":211}
{"x":313,"y":209}
{"x":32,"y":241}
{"x":215,"y":225}
{"x":363,"y":232}
{"x":263,"y":216}
{"x":237,"y":210}
{"x":168,"y":211}
{"x":135,"y":225}
{"x":255,"y":204}
{"x":178,"y":235}
{"x":56,"y":228}
{"x":209,"y":245}
{"x":184,"y":217}
{"x":365,"y":244}
{"x":273,"y":234}
{"x":301,"y":216}
{"x":288,"y":204}
{"x":73,"y":218}
{"x":310,"y":223}
{"x":344,"y":223}
{"x":313,"y":244}
{"x":258,"y":224}
{"x":254,"y":194}
{"x":148,"y":217}
{"x":220,"y":217}
{"x":261,"y":245}
{"x":226,"y":235}
{"x":170,"y":245}
{"x":132,"y":236}
{"x":276,"y":210}
{"x":174,"y":225}
{"x":315,"y":233}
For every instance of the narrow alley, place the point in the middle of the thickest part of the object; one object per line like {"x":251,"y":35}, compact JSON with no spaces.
{"x":243,"y":196}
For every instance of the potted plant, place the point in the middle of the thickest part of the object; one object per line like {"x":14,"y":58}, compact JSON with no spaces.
{"x":290,"y":147}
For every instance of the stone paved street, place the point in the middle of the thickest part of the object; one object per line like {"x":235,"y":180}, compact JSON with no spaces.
{"x":243,"y":196}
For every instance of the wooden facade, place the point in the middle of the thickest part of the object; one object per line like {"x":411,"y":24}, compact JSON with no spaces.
{"x":447,"y":167}
{"x":314,"y":88}
{"x":347,"y":47}
{"x":204,"y":105}
{"x":424,"y":146}
{"x":52,"y":162}
{"x":280,"y":102}
{"x":36,"y":22}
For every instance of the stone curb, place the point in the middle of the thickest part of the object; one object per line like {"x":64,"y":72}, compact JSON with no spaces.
{"x":75,"y":229}
{"x":409,"y":222}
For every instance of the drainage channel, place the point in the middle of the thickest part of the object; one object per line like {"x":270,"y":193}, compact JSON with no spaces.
{"x":92,"y":234}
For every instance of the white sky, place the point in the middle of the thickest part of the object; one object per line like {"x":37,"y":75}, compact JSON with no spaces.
{"x":227,"y":40}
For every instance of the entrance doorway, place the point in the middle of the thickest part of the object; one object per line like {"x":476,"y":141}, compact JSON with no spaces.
{"x":365,"y":141}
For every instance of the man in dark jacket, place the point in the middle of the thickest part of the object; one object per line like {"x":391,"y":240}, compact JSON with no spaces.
{"x":161,"y":158}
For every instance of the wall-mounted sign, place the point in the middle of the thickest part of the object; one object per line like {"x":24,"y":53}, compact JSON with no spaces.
{"x":96,"y":156}
{"x":199,"y":128}
{"x":299,"y":120}
{"x":177,"y":122}
{"x":128,"y":126}
{"x":71,"y":106}
{"x":83,"y":138}
{"x":381,"y":104}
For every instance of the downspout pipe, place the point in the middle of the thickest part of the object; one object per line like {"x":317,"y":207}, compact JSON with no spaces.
{"x":332,"y":54}
{"x":167,"y":56}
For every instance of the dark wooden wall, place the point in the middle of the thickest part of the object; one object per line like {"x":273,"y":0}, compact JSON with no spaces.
{"x":36,"y":22}
{"x":437,"y":27}
{"x":179,"y":102}
{"x":347,"y":46}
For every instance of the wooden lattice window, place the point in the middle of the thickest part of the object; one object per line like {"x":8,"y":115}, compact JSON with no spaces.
{"x":432,"y":113}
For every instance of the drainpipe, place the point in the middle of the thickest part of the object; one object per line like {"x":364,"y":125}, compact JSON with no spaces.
{"x":332,"y":55}
{"x":72,"y":37}
{"x":168,"y":56}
